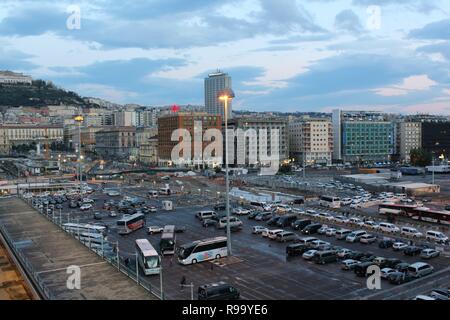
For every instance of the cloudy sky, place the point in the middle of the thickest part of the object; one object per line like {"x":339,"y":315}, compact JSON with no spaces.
{"x":283,"y":55}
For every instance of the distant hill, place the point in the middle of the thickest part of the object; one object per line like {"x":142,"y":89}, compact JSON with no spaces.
{"x":38,"y":94}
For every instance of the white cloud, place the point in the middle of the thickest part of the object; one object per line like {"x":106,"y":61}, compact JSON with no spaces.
{"x":409,"y":84}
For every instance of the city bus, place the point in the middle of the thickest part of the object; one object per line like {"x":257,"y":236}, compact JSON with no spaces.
{"x":167,"y":242}
{"x":130,"y":223}
{"x":415,"y":212}
{"x":330,"y":202}
{"x":148,"y":257}
{"x":84,"y":228}
{"x":202,"y":250}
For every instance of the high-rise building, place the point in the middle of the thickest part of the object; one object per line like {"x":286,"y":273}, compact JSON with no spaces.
{"x":311,"y":141}
{"x":436,"y":138}
{"x":362,"y":136}
{"x":215,"y":83}
{"x":184,"y":120}
{"x":408,"y":137}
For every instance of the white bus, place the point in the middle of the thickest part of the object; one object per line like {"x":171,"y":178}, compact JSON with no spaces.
{"x":131,"y":223}
{"x":202,"y":250}
{"x":330,"y":202}
{"x":84,"y":228}
{"x":148,"y":257}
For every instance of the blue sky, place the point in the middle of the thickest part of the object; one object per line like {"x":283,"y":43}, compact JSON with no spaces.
{"x":283,"y":55}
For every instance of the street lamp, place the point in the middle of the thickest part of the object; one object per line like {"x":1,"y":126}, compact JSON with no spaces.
{"x":224,"y":96}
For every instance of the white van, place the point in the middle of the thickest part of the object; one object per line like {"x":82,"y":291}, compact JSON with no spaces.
{"x":342,"y":234}
{"x":165,"y":191}
{"x":234,"y":222}
{"x":411,"y":232}
{"x":355,"y":236}
{"x":420,"y":269}
{"x":388,"y":227}
{"x":436,"y":236}
{"x":202,"y":215}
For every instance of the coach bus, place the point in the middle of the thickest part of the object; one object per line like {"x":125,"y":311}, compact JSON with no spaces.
{"x":131,"y":223}
{"x":202,"y":250}
{"x":167,"y":242}
{"x":84,"y":228}
{"x":330,"y":202}
{"x":148,"y":258}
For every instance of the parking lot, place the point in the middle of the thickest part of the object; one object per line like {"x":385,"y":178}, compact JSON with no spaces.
{"x":258,"y":268}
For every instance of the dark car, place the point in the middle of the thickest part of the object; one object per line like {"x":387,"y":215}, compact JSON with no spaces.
{"x":218,"y":291}
{"x":300,"y":224}
{"x":296,"y":249}
{"x":390,"y":263}
{"x":385,"y":244}
{"x":399,"y":277}
{"x":220,"y":207}
{"x":180,"y":229}
{"x":367,"y":257}
{"x":412,"y":251}
{"x":97,"y":216}
{"x":273,"y":221}
{"x":361,"y":269}
{"x":285,"y":221}
{"x":355,"y":255}
{"x":312,"y":228}
{"x":402,"y":267}
{"x":209,"y":222}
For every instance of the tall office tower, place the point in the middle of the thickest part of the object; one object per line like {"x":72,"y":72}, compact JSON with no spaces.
{"x":213,"y":85}
{"x":337,"y":133}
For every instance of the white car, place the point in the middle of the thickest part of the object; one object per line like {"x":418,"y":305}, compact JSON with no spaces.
{"x":349,"y":264}
{"x":398,"y":246}
{"x":371,"y":225}
{"x":356,"y":221}
{"x":429,"y":253}
{"x":331,"y":232}
{"x":317,"y":243}
{"x":113,"y":193}
{"x":259,"y":230}
{"x":113,"y":214}
{"x":341,"y":219}
{"x":152,"y":209}
{"x":323,"y":229}
{"x":87,"y":200}
{"x":86,"y":207}
{"x":385,"y":272}
{"x":411,"y":232}
{"x":272,"y":234}
{"x":308,"y":255}
{"x":241,"y":211}
{"x":154,"y":229}
{"x":368,"y":239}
{"x":355,"y":206}
{"x":346,"y":201}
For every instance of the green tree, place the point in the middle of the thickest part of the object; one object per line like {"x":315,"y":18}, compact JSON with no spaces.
{"x":420,"y":157}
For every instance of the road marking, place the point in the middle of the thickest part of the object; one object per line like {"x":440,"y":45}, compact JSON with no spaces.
{"x":61,"y":269}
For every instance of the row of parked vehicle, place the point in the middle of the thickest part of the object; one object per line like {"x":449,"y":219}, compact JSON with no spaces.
{"x":392,"y":269}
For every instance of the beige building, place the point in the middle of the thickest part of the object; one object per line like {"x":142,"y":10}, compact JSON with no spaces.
{"x":408,"y":137}
{"x":311,"y":141}
{"x":148,"y":151}
{"x":117,"y":142}
{"x":15,"y":134}
{"x":8,"y":77}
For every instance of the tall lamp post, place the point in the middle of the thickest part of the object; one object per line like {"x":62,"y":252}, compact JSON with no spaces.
{"x":224,"y":96}
{"x":79,"y":119}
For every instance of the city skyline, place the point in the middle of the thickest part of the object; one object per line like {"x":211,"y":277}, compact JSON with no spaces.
{"x":290,"y":57}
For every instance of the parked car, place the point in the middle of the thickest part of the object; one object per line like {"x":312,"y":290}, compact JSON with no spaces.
{"x":154,"y":229}
{"x":234,"y":222}
{"x":205,"y":214}
{"x":97,"y":216}
{"x":331,"y":232}
{"x":323,"y":257}
{"x":306,"y":241}
{"x":218,"y":291}
{"x":286,"y":221}
{"x":272,"y":234}
{"x":361,"y":269}
{"x":258,"y":229}
{"x":368,"y":238}
{"x":410,"y":232}
{"x":273,"y":221}
{"x":296,"y":249}
{"x":312,"y":228}
{"x":402,"y":267}
{"x":317,"y":243}
{"x":341,"y":234}
{"x":355,"y":236}
{"x":391,"y":263}
{"x":308,"y":255}
{"x":385,"y":244}
{"x":349,"y":264}
{"x":263,"y":216}
{"x":344,"y":253}
{"x":323,"y":229}
{"x":412,"y":251}
{"x":208,"y":222}
{"x":437,"y":236}
{"x":440,"y":294}
{"x":286,"y":236}
{"x":300,"y":224}
{"x":253,"y":215}
{"x":399,"y":246}
{"x":112,"y":214}
{"x":399,"y":277}
{"x":241,"y":211}
{"x":420,"y":269}
{"x":86,"y":207}
{"x":385,"y":272}
{"x":371,"y":225}
{"x":429,"y":253}
{"x":388,"y":227}
{"x":220,"y":207}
